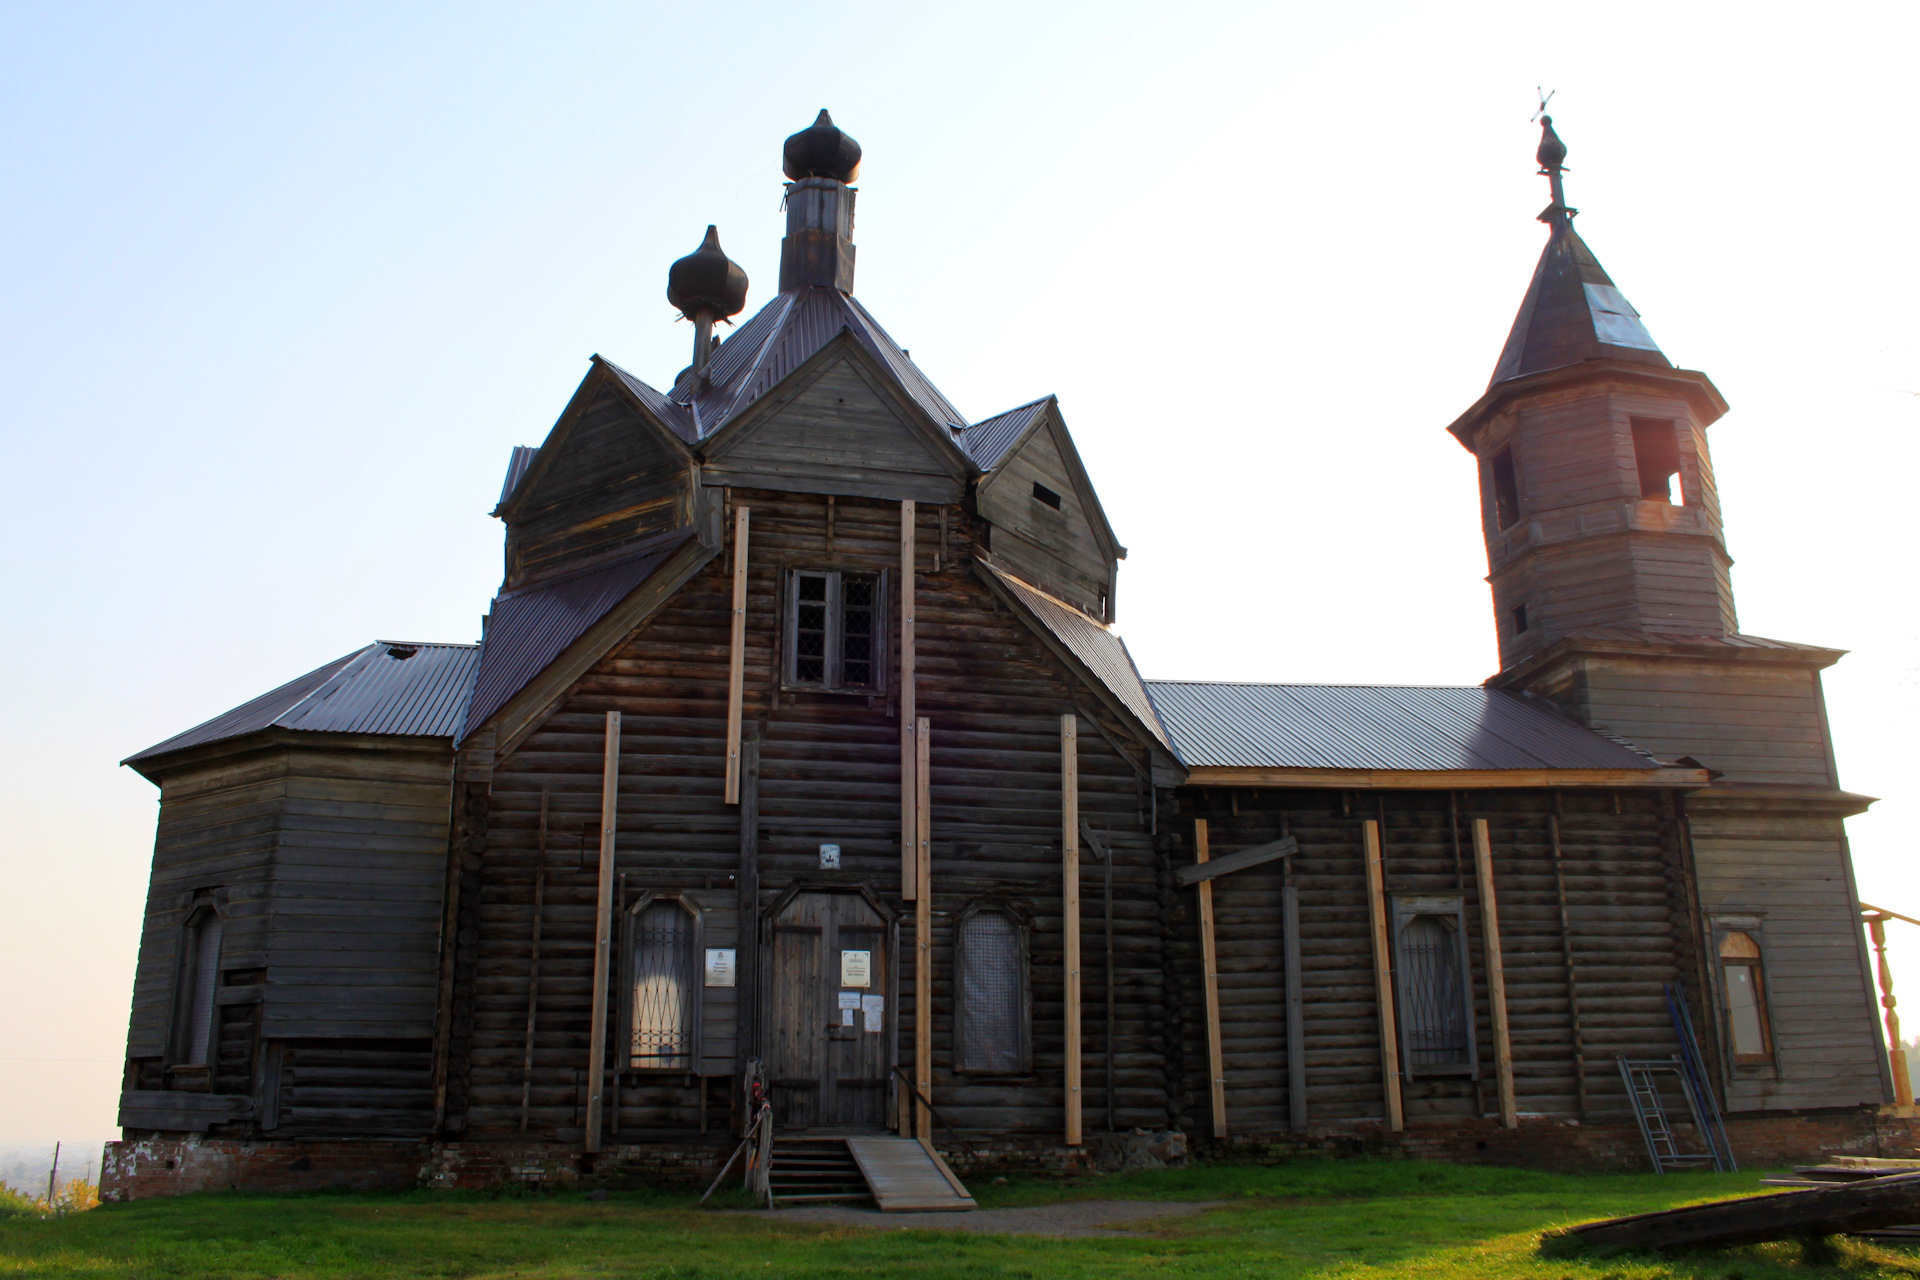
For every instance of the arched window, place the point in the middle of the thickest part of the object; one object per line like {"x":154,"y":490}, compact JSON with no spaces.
{"x":1747,"y":1023}
{"x":663,"y":1013}
{"x":991,"y":1011}
{"x":1435,"y":989}
{"x":199,"y":979}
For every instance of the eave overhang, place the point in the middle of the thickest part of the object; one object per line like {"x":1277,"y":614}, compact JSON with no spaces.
{"x":1676,"y":648}
{"x":1671,"y":778}
{"x":1690,"y":384}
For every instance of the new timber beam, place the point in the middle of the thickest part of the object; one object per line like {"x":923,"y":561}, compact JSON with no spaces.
{"x":909,"y":712}
{"x":1210,"y":975}
{"x":603,"y":930}
{"x":1383,"y":974}
{"x":1070,"y":909}
{"x":923,"y":925}
{"x":1496,"y":972}
{"x":737,"y":655}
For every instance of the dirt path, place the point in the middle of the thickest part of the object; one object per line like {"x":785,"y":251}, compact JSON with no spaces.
{"x":1073,"y":1218}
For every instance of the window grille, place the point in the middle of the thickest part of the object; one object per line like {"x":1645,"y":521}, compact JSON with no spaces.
{"x":1432,"y":978}
{"x":199,"y":977}
{"x":1746,"y":995}
{"x":666,"y":985}
{"x":836,"y":631}
{"x":991,"y":1014}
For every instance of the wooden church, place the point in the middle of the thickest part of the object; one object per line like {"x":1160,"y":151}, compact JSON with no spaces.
{"x":801,"y":786}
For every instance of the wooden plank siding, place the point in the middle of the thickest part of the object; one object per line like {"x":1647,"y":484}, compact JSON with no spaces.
{"x":829,"y":772}
{"x":1057,"y":550}
{"x":614,"y":481}
{"x":1754,"y":722}
{"x":1790,"y":874}
{"x":1628,"y":923}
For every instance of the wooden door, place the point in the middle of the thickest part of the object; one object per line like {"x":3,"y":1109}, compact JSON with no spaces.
{"x":831,"y":1015}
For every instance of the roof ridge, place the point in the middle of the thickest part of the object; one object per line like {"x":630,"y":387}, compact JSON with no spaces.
{"x":1313,"y":684}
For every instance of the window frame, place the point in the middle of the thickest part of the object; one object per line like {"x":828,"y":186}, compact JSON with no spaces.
{"x":1644,"y":434}
{"x":1503,"y":484}
{"x":1022,"y":921}
{"x":833,"y":680}
{"x":696,"y":981}
{"x":197,"y":912}
{"x":1753,"y":928}
{"x":1403,"y":910}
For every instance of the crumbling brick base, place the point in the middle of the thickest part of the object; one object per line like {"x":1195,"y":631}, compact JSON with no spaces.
{"x":142,"y":1168}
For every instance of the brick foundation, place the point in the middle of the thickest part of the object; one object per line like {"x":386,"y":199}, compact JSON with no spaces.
{"x":149,"y":1167}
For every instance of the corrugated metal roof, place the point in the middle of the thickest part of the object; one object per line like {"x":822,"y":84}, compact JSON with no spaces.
{"x":675,"y":416}
{"x":530,"y":627}
{"x":517,"y":465}
{"x":389,"y":687}
{"x":1320,"y":726}
{"x":988,"y":439}
{"x":1100,"y":649}
{"x":781,"y":337}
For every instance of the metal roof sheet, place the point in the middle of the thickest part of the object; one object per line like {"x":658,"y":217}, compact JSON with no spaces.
{"x":987,"y":440}
{"x":781,"y":337}
{"x":529,"y":627}
{"x":1099,"y":648}
{"x":1572,"y":311}
{"x":389,"y":687}
{"x":1319,"y":726}
{"x":517,"y":466}
{"x":675,"y":416}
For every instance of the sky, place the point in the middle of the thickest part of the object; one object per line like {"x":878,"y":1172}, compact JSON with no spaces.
{"x":281,"y":286}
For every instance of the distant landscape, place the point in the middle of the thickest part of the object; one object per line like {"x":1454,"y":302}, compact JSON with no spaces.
{"x":24,"y":1168}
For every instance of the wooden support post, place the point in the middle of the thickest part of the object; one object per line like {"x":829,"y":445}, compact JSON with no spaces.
{"x":1070,"y":909}
{"x":1496,"y":972}
{"x":746,"y":967}
{"x":1896,"y":1049}
{"x":533,"y":967}
{"x":1383,"y":973}
{"x":1296,"y":999}
{"x":1566,"y":955}
{"x":909,"y":711}
{"x":603,"y":930}
{"x":737,"y":655}
{"x":923,"y":923}
{"x":1210,"y":979}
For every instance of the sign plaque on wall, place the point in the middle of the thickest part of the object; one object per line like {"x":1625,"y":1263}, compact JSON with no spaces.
{"x":719,"y":966}
{"x":829,"y":857}
{"x":856,"y":968}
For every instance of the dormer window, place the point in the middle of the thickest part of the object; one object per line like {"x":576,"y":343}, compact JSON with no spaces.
{"x":1656,"y":455}
{"x":836,"y":631}
{"x":1506,"y":490}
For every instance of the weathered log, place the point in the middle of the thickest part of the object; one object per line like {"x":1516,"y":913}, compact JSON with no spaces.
{"x":1822,"y":1211}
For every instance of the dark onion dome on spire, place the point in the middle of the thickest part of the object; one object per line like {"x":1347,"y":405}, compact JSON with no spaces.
{"x":1553,"y":152}
{"x":707,"y":281}
{"x":821,"y":151}
{"x":1572,"y":311}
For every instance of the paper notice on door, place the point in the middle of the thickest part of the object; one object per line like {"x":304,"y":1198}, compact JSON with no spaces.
{"x":849,"y":1000}
{"x":846,"y":1017}
{"x":856,"y":968}
{"x":873,"y":1009}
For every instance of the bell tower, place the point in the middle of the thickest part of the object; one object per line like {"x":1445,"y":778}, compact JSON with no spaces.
{"x":1613,"y":602}
{"x":1597,"y":497}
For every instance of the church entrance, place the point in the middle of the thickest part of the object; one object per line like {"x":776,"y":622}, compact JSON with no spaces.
{"x":830,"y":1002}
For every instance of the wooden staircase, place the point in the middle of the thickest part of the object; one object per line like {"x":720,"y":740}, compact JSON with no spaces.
{"x":814,"y":1171}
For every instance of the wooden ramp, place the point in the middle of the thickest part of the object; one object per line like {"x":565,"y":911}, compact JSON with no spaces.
{"x":906,"y":1177}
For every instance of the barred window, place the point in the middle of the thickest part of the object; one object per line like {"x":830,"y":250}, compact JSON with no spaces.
{"x":665,"y":982}
{"x":991,"y":1014}
{"x":1746,"y":994}
{"x":1434,"y":986}
{"x":199,"y":978}
{"x":836,"y":631}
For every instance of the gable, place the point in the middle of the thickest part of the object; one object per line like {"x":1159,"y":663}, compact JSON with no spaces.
{"x":606,"y":478}
{"x":1062,"y":550}
{"x":835,"y":432}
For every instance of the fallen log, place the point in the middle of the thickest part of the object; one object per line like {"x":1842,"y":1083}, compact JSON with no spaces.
{"x":1823,"y":1211}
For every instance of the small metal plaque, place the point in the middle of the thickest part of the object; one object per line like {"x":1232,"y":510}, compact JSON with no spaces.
{"x":720,"y":969}
{"x":829,"y":857}
{"x":856,"y":968}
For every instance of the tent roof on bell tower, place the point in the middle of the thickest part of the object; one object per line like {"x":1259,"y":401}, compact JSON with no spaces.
{"x":1573,"y":311}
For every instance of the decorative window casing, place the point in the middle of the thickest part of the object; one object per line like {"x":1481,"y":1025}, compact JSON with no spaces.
{"x":1433,"y":979}
{"x":196,"y":988}
{"x":660,"y":1008}
{"x":992,"y":1020}
{"x":1741,"y":953}
{"x":836,"y":631}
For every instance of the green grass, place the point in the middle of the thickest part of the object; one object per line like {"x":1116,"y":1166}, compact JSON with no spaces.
{"x":1321,"y":1218}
